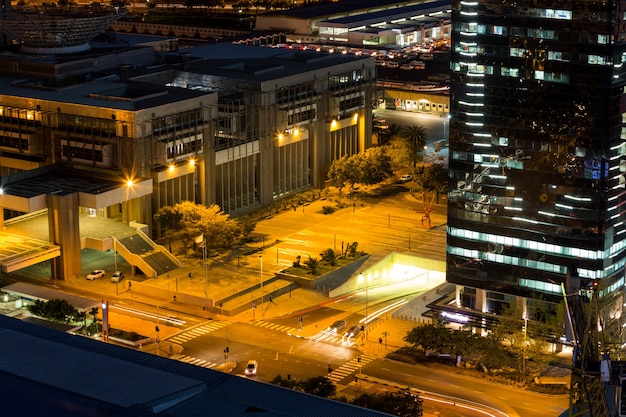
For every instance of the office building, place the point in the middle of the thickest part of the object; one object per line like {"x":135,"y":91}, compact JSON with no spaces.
{"x":537,"y":154}
{"x":121,"y":127}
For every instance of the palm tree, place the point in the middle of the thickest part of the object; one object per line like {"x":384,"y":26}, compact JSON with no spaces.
{"x":416,"y":139}
{"x":329,"y":256}
{"x":312,"y":263}
{"x":388,"y":134}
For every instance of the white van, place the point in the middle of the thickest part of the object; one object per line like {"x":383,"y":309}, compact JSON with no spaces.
{"x":392,"y":64}
{"x":427,"y":57}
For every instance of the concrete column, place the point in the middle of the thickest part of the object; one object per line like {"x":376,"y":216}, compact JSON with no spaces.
{"x":63,"y":226}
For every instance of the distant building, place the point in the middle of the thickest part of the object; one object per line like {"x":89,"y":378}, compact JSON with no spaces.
{"x":537,"y":155}
{"x":372,"y":24}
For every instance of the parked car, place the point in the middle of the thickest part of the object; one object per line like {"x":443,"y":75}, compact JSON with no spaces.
{"x":336,"y":326}
{"x":95,"y":274}
{"x":427,"y":57}
{"x":117,"y":276}
{"x":392,"y":64}
{"x":251,"y":368}
{"x":418,"y":64}
{"x":406,"y":67}
{"x":405,"y":178}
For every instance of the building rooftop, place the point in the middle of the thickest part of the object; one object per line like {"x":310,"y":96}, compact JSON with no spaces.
{"x":71,"y":375}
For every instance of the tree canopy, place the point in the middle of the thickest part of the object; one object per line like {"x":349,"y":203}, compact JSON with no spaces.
{"x":415,"y":138}
{"x":432,"y":178}
{"x":55,"y":310}
{"x":396,"y":403}
{"x":370,"y":167}
{"x":188,"y":221}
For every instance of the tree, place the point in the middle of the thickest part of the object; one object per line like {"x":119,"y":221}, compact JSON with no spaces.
{"x":396,"y":403}
{"x":282,"y":382}
{"x":415,"y":137}
{"x":387,"y":135}
{"x":343,"y":171}
{"x":55,"y":310}
{"x":431,"y":178}
{"x":318,"y":385}
{"x":370,"y":167}
{"x":374,"y":166}
{"x":430,"y":338}
{"x":187,"y":221}
{"x":329,"y":256}
{"x":312,"y":264}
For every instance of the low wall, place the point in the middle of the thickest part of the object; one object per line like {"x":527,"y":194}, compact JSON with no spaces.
{"x":316,"y":282}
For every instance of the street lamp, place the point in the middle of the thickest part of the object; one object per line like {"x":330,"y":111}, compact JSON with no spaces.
{"x":261,"y":258}
{"x":129,"y":184}
{"x":204,"y":261}
{"x":524,"y":347}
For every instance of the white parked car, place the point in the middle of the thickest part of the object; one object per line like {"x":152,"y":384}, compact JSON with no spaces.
{"x":117,"y":276}
{"x":392,"y":64}
{"x":405,"y":178}
{"x":95,"y":274}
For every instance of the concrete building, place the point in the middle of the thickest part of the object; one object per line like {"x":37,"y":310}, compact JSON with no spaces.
{"x":537,"y":155}
{"x":115,"y":129}
{"x":374,"y":24}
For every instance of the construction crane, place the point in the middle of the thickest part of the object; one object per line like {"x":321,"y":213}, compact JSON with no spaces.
{"x":592,"y":393}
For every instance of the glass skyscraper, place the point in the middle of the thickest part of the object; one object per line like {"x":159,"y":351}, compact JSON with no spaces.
{"x":537,"y":153}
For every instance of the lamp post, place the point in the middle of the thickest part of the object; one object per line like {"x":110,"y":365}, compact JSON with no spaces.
{"x":204,"y":261}
{"x":261,"y":259}
{"x":114,"y":253}
{"x":105,"y":321}
{"x":366,"y":304}
{"x":129,"y":184}
{"x":524,"y":347}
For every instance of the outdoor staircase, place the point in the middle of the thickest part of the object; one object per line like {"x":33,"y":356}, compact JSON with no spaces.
{"x":142,"y":252}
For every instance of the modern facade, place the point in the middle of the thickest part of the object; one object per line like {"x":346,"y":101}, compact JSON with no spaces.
{"x":537,"y":154}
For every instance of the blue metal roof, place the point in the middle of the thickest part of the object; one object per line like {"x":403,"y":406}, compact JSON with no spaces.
{"x":59,"y":374}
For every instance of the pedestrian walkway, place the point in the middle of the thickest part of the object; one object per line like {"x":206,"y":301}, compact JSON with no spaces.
{"x":194,"y":361}
{"x":200,"y":330}
{"x":277,"y":327}
{"x":351,"y":367}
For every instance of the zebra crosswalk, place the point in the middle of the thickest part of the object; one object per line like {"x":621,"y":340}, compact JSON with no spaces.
{"x":194,"y":361}
{"x":350,"y":367}
{"x":198,"y":331}
{"x":277,"y":327}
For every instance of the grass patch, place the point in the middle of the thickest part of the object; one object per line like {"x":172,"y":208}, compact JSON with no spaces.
{"x":322,"y":267}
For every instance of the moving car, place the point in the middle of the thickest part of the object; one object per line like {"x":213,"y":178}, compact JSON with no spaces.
{"x":405,"y":178}
{"x":350,"y":334}
{"x":95,"y":274}
{"x":251,"y":368}
{"x":336,"y":326}
{"x":117,"y":276}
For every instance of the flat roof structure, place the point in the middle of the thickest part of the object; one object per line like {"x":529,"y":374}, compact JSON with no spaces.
{"x":47,"y":372}
{"x":418,"y":13}
{"x":36,"y":292}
